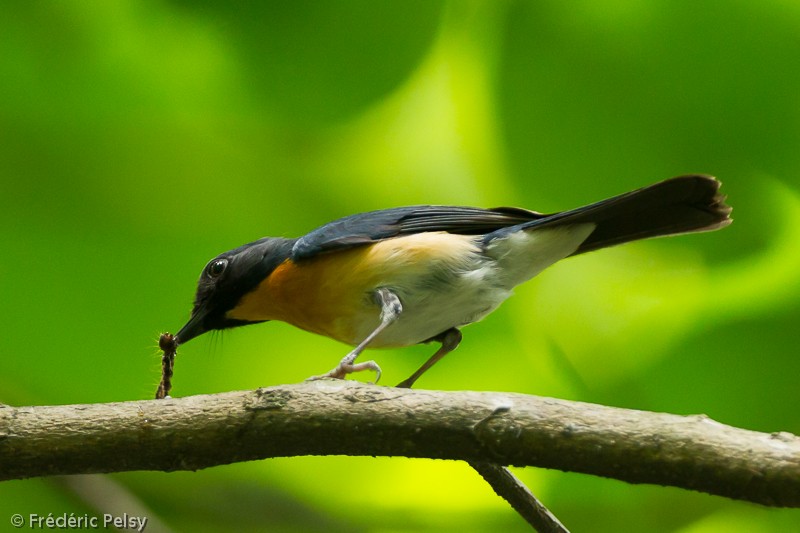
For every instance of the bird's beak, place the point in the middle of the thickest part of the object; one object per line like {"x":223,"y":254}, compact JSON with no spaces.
{"x":193,"y":328}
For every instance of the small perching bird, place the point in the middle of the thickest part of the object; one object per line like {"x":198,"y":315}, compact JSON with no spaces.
{"x":410,"y":275}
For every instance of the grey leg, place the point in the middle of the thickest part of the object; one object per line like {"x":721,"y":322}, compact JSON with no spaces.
{"x":450,"y":340}
{"x":391,"y":308}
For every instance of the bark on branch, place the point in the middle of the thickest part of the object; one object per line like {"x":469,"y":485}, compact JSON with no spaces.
{"x":349,"y":418}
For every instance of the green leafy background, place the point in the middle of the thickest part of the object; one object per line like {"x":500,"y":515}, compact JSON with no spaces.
{"x":138,"y":139}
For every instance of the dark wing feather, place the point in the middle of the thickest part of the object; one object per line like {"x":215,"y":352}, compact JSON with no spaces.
{"x":374,"y":226}
{"x":678,"y":205}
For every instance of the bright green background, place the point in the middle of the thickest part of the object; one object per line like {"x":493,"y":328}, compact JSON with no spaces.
{"x":138,"y":139}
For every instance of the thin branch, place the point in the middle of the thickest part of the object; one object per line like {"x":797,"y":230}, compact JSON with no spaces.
{"x":348,"y":418}
{"x":511,"y":489}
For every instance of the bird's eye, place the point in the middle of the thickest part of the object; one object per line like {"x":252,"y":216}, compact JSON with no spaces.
{"x":217,"y":267}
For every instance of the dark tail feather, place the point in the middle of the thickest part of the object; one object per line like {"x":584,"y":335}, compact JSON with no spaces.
{"x":685,"y":204}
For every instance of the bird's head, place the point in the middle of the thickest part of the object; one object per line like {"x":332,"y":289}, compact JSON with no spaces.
{"x":226,"y":279}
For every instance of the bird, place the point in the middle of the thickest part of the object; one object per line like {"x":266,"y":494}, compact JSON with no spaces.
{"x":408,"y":275}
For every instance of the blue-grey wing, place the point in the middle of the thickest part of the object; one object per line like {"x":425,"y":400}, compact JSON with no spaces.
{"x":364,"y":228}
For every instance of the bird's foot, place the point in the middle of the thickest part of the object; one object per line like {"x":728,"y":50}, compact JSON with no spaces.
{"x":346,"y":367}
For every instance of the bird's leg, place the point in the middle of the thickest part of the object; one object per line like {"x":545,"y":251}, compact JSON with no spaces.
{"x":450,"y":340}
{"x":391,"y":308}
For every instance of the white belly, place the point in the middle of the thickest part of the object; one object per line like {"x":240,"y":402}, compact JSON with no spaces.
{"x":450,"y":293}
{"x":430,"y":311}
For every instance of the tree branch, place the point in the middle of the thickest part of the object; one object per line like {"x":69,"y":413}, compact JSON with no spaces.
{"x":349,"y":418}
{"x":508,"y":487}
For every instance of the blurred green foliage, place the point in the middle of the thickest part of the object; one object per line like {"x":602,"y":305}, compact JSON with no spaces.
{"x":140,"y":138}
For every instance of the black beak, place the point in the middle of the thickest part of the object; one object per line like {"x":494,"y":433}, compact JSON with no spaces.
{"x":193,"y":328}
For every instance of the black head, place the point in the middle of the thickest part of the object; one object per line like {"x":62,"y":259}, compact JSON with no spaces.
{"x":226,"y":279}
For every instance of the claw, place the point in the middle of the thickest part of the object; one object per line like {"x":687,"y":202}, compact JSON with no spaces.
{"x":368,"y":365}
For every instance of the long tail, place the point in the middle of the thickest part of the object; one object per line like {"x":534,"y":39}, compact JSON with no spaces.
{"x":685,"y":204}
